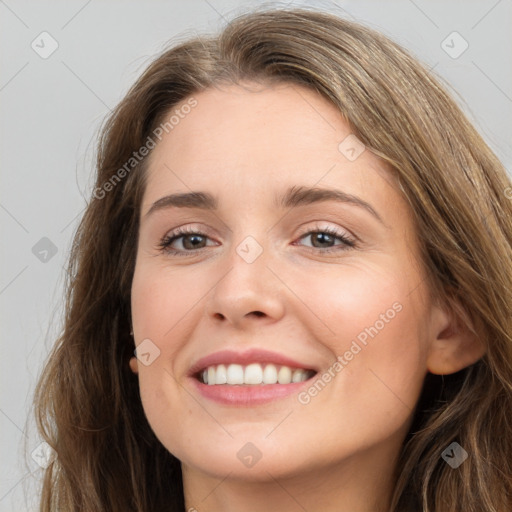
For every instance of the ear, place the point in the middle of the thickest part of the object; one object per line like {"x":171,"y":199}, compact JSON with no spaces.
{"x":455,"y":343}
{"x":134,"y":367}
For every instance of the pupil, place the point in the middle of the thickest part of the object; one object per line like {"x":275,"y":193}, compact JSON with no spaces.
{"x":323,"y":238}
{"x":193,"y":240}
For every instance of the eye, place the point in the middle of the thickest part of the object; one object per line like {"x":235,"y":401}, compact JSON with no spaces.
{"x":192,"y":241}
{"x":324,"y":239}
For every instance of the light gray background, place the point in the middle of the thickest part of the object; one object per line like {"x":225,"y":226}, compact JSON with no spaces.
{"x":51,"y":111}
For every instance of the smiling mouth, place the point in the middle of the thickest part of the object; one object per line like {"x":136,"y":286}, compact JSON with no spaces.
{"x":254,"y":374}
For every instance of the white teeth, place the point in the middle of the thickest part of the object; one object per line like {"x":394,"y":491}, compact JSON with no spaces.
{"x":235,"y":374}
{"x":211,"y":374}
{"x":253,"y":374}
{"x":298,"y":376}
{"x":270,"y":374}
{"x":221,"y":376}
{"x":285,"y":375}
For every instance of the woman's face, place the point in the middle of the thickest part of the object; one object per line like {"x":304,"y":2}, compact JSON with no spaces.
{"x":272,"y":278}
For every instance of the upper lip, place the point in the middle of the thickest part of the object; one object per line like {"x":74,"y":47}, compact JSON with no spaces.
{"x":254,"y":355}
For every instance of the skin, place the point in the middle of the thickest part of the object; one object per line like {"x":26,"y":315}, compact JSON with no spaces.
{"x":243,"y":144}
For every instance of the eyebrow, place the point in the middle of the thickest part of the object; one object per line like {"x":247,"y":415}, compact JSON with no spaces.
{"x":292,"y":198}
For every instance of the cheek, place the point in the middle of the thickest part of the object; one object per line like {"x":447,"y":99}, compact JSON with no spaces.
{"x":162,"y":305}
{"x":157,"y":394}
{"x":161,"y":297}
{"x":373,"y":322}
{"x":351,"y":297}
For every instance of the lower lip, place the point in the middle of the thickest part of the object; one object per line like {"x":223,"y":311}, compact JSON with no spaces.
{"x":248,"y":395}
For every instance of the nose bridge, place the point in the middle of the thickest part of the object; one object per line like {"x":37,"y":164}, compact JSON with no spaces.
{"x":248,"y":285}
{"x":249,"y":275}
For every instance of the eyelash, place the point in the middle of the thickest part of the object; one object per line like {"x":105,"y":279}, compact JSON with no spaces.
{"x":166,"y":241}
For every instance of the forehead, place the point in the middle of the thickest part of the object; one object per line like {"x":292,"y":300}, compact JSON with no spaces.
{"x":252,"y":136}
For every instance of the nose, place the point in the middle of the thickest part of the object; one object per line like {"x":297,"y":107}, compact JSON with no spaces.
{"x":248,"y":292}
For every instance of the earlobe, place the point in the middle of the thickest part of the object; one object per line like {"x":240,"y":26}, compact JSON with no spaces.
{"x":455,"y":343}
{"x":133,"y":365}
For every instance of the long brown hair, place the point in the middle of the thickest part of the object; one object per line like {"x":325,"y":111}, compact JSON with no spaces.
{"x":87,"y":401}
